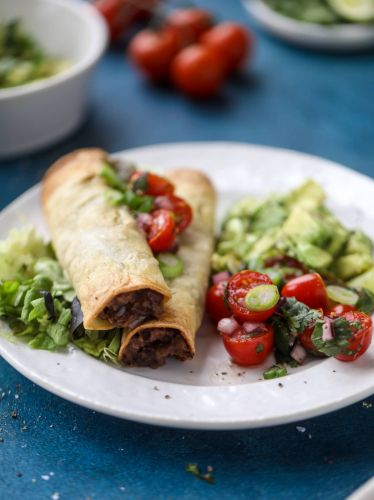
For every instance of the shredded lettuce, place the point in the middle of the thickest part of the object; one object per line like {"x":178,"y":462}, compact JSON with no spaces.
{"x":36,"y":299}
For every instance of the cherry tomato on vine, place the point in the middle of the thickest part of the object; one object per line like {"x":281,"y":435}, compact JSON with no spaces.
{"x":197,"y":71}
{"x":308,"y":289}
{"x":153,"y":51}
{"x":189,"y":24}
{"x":232,"y":42}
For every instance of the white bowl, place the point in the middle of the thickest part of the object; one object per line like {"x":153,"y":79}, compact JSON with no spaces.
{"x":38,"y":114}
{"x":339,"y":37}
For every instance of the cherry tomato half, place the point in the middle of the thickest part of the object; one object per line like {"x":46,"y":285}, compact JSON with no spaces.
{"x":306,"y":338}
{"x":361,"y":338}
{"x":308,"y":289}
{"x":249,"y":349}
{"x":180,"y":208}
{"x":215,"y":302}
{"x":159,"y":228}
{"x":231,"y":41}
{"x":198,"y":71}
{"x":190,"y":24}
{"x":153,"y":51}
{"x":338,"y":310}
{"x":237,"y":288}
{"x":151,"y":184}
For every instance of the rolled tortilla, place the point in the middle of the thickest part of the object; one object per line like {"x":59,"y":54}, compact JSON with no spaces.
{"x":173,"y":334}
{"x":107,"y":259}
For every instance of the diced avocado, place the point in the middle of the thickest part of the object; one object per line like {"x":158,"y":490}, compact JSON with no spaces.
{"x":263,"y":245}
{"x":337,"y":240}
{"x":349,"y":266}
{"x":302,"y":225}
{"x":365,"y":280}
{"x":359,"y":243}
{"x":309,"y":195}
{"x":269,"y":215}
{"x":312,"y":255}
{"x":244,"y":207}
{"x":236,"y":226}
{"x":226,"y":263}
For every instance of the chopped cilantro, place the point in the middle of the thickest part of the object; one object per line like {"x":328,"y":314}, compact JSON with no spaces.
{"x":365,"y":302}
{"x":275,"y":371}
{"x":195,"y":471}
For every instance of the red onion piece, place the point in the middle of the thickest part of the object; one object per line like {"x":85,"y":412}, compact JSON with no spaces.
{"x":327,"y":333}
{"x":298,"y":353}
{"x":219,"y":277}
{"x":251,"y":327}
{"x":227,"y":326}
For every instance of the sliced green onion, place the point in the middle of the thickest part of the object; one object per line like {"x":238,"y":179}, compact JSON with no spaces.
{"x":274,"y":371}
{"x":342,"y":295}
{"x":262,"y":298}
{"x":171,"y":265}
{"x":111,"y":177}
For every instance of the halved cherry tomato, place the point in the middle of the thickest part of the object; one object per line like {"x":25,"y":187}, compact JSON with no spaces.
{"x":338,"y":310}
{"x":306,"y":338}
{"x":153,"y":51}
{"x":198,"y":71}
{"x":151,"y":184}
{"x":361,"y":338}
{"x":237,"y":288}
{"x":190,"y":24}
{"x":215,"y":303}
{"x":159,"y":228}
{"x":180,"y":208}
{"x":249,"y":349}
{"x":231,"y":41}
{"x":308,"y":289}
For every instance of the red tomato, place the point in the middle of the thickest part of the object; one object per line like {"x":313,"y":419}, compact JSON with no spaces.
{"x":309,"y":289}
{"x":249,"y":349}
{"x":231,"y":41}
{"x":237,"y":288}
{"x":121,"y":14}
{"x":361,"y":338}
{"x":180,"y":208}
{"x":151,"y":184}
{"x":339,"y":310}
{"x":306,"y":338}
{"x":215,"y":304}
{"x":159,"y":228}
{"x":197,"y":71}
{"x":153,"y":51}
{"x":190,"y":24}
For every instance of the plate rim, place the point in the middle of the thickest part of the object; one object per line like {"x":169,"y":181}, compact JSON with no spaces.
{"x":192,"y":423}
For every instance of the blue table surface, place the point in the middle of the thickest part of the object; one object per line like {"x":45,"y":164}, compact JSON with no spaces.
{"x":313,"y":102}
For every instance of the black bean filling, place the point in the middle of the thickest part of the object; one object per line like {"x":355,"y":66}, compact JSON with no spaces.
{"x":131,"y":309}
{"x":152,"y":347}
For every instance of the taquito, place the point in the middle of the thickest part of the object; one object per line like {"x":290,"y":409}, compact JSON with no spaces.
{"x":173,"y":334}
{"x":107,"y":259}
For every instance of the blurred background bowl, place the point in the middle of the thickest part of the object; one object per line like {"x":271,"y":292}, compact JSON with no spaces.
{"x":41,"y":113}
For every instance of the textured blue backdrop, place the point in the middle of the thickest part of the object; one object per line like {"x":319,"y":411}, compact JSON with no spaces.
{"x":313,"y":102}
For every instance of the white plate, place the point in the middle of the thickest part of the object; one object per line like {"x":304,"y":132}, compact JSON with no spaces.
{"x":344,"y":37}
{"x":365,"y":492}
{"x":208,"y":393}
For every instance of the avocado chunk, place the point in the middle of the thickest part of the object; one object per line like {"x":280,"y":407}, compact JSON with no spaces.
{"x":365,"y":280}
{"x":359,"y":243}
{"x":349,"y":266}
{"x":303,"y":225}
{"x":309,"y":196}
{"x":312,"y":256}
